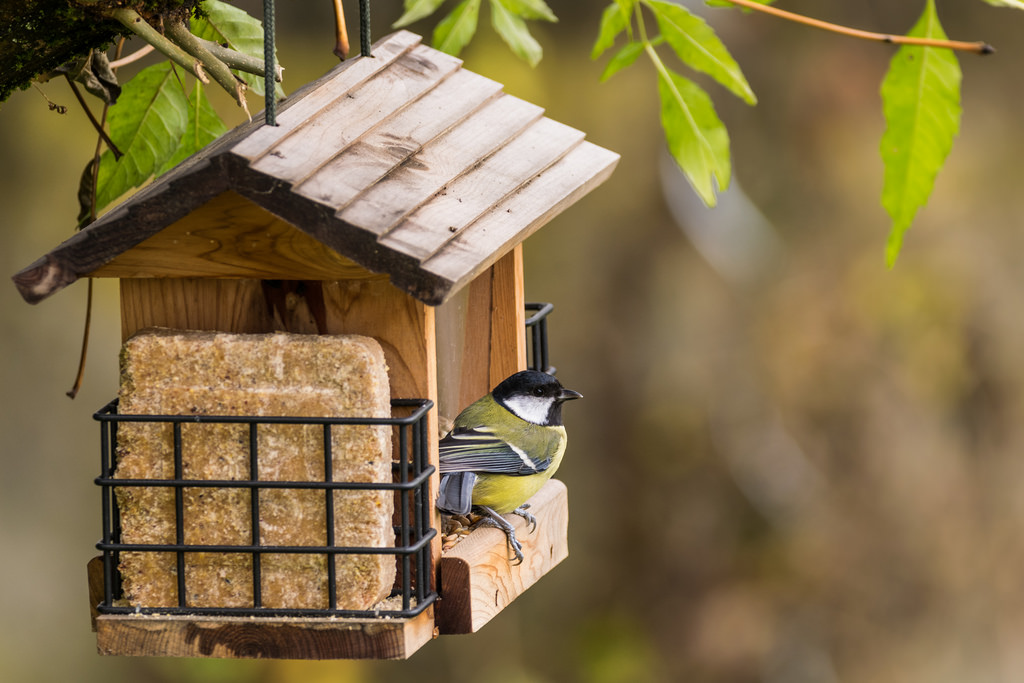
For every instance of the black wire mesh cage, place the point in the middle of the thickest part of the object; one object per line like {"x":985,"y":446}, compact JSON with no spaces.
{"x":537,"y":337}
{"x":411,"y":590}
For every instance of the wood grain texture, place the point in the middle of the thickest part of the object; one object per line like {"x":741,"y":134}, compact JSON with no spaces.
{"x":426,"y":173}
{"x":475,"y":380}
{"x":230,"y":237}
{"x":383,"y":149}
{"x":470,"y":196}
{"x":508,"y":316}
{"x":94,"y":575}
{"x":306,"y":105}
{"x":259,"y":638}
{"x":358,"y":110}
{"x":519,"y":216}
{"x":194,"y":304}
{"x":477,"y":579}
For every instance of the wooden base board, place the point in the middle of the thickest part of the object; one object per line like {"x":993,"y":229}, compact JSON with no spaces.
{"x":476,"y":578}
{"x":256,"y":638}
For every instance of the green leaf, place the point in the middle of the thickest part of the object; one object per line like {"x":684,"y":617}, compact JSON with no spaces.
{"x":614,"y":21}
{"x":921,"y":104}
{"x":513,"y":31}
{"x":697,"y":46}
{"x":696,"y":137}
{"x":530,"y":9}
{"x":146,"y":124}
{"x":227,"y":24}
{"x":204,"y":126}
{"x":623,"y":58}
{"x":456,"y":30}
{"x":416,"y":10}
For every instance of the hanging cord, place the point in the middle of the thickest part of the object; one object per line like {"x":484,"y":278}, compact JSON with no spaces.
{"x":269,"y":84}
{"x":364,"y":28}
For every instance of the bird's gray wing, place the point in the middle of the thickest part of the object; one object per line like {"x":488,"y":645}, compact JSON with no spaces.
{"x":477,"y":449}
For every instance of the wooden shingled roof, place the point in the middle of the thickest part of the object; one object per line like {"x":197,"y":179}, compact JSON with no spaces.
{"x":405,"y":163}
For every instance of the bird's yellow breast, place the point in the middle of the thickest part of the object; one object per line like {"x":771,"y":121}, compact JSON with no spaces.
{"x":503,"y":493}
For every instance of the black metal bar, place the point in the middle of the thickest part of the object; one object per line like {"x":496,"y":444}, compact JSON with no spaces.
{"x":108,"y":574}
{"x":245,"y":484}
{"x":269,"y":549}
{"x":254,"y":518}
{"x":179,"y":515}
{"x":403,"y":455}
{"x":275,"y":612}
{"x":423,"y":576}
{"x":115,"y":512}
{"x":537,"y":328}
{"x":332,"y":586}
{"x":108,"y":413}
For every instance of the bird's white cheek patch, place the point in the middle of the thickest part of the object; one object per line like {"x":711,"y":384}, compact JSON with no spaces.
{"x":529,"y":408}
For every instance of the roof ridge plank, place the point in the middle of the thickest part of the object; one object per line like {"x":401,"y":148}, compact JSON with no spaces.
{"x":438,"y":163}
{"x":357,"y":111}
{"x":319,"y":95}
{"x":386,"y":147}
{"x":426,"y":230}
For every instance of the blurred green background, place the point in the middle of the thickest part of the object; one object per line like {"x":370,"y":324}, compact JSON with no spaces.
{"x":791,"y":465}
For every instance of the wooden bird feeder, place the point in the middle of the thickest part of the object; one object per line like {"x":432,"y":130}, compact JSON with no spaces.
{"x":391,"y":201}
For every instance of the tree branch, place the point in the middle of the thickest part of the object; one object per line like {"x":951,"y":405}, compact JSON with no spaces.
{"x":239,"y":60}
{"x":134,"y":22}
{"x":980,"y":47}
{"x":218,"y":69}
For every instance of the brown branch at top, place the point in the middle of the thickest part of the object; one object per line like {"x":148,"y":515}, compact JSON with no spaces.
{"x":979,"y":47}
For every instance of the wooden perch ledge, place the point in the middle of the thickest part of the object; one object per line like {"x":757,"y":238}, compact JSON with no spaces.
{"x":477,"y":579}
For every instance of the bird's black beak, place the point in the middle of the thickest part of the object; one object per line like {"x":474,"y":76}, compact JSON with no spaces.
{"x":568,"y":395}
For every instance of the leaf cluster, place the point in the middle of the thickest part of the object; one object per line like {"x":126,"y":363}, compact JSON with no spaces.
{"x":696,"y":137}
{"x":508,"y":18}
{"x":158,"y":121}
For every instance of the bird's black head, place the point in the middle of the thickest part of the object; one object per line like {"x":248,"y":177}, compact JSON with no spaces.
{"x":534,"y":396}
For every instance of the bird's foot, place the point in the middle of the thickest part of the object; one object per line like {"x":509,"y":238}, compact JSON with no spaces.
{"x":530,"y":519}
{"x":492,"y":518}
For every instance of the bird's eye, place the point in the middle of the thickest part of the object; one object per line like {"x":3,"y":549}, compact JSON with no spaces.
{"x":539,"y":391}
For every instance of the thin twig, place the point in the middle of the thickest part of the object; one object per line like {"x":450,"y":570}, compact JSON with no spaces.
{"x":133,"y":57}
{"x":59,"y":108}
{"x":86,"y":328}
{"x":980,"y":47}
{"x":92,"y":119}
{"x":73,"y":391}
{"x":341,"y":46}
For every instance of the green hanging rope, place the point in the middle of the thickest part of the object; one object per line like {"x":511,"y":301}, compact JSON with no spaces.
{"x":364,"y":28}
{"x":270,"y":114}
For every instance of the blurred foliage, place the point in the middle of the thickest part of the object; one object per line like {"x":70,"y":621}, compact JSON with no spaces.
{"x":801,"y":468}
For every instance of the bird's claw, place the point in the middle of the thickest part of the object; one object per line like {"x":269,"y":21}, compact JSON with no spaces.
{"x":492,"y":518}
{"x":530,"y":519}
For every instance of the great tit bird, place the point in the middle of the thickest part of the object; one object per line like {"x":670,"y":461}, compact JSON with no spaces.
{"x":502,"y":448}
